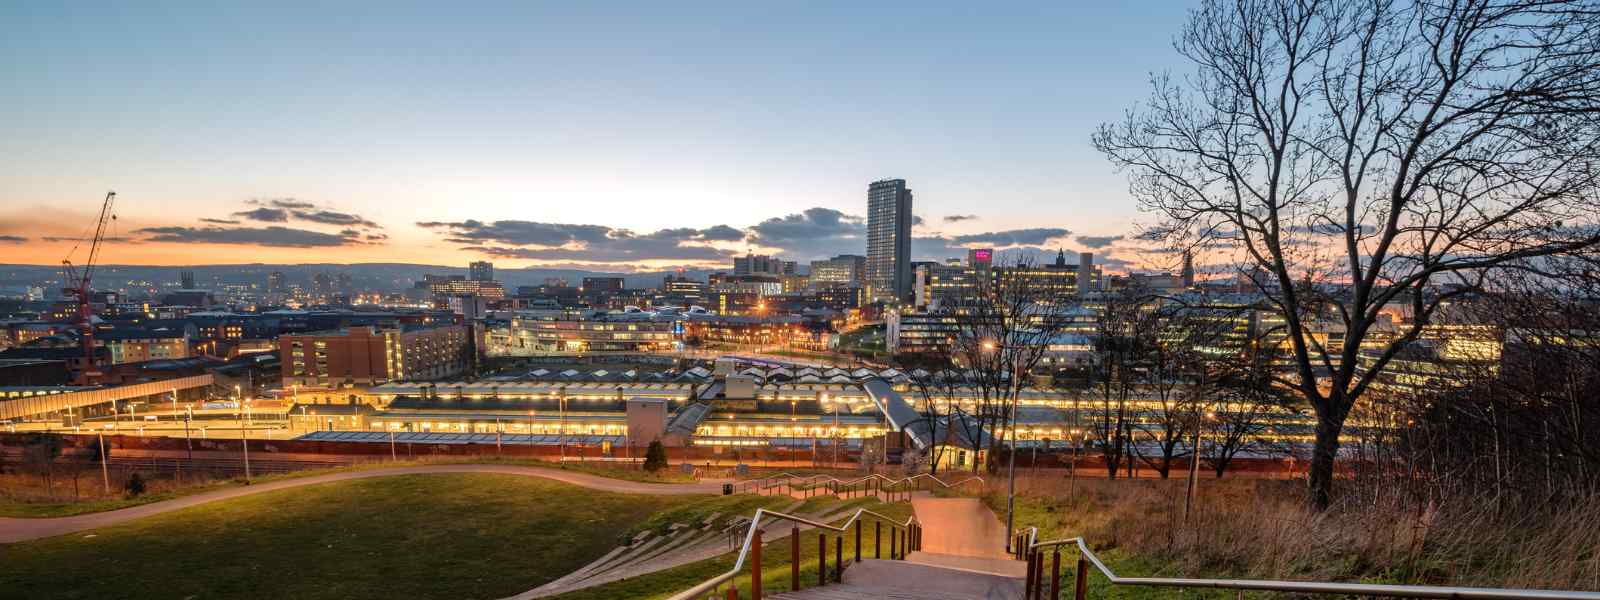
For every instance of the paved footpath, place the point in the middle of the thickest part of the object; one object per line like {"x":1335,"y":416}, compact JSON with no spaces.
{"x":962,"y":533}
{"x":14,"y":530}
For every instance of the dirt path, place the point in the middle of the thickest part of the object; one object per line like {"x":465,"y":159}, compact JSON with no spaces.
{"x":14,"y":530}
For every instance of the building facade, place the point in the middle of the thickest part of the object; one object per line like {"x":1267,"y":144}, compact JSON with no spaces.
{"x":888,"y":267}
{"x":365,"y":355}
{"x":840,"y":271}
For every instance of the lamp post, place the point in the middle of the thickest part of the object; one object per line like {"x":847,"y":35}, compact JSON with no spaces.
{"x":530,"y":428}
{"x":561,"y":427}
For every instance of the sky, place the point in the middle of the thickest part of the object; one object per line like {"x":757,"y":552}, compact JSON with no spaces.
{"x":609,"y":136}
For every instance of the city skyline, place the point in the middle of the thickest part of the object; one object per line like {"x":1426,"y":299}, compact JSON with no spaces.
{"x":661,"y":148}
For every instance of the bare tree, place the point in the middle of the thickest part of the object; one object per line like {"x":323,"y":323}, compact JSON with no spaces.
{"x":1005,"y":328}
{"x":937,"y":381}
{"x":1124,"y":334}
{"x":1372,"y":150}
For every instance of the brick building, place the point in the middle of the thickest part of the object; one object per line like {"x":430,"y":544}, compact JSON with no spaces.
{"x":366,"y":355}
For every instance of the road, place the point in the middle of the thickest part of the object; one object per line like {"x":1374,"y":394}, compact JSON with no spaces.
{"x":14,"y":530}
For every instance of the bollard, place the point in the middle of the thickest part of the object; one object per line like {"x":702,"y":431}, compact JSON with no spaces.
{"x":1081,"y":589}
{"x":755,"y":566}
{"x":1055,"y":574}
{"x":822,"y":559}
{"x":794,"y":559}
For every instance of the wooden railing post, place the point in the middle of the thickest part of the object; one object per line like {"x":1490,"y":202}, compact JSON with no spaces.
{"x":877,"y":539}
{"x":1081,"y":586}
{"x":822,"y":559}
{"x":1055,"y":574}
{"x":755,"y":566}
{"x":838,"y":559}
{"x":1027,"y":582}
{"x":894,"y":542}
{"x":858,"y":540}
{"x":733,"y":591}
{"x":794,"y":559}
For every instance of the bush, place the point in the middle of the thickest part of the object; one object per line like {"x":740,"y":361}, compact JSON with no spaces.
{"x":655,"y":457}
{"x":135,"y":485}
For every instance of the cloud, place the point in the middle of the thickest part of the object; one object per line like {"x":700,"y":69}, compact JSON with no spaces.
{"x":580,"y":242}
{"x":219,"y":221}
{"x":267,"y":215}
{"x":275,"y":236}
{"x":12,"y":239}
{"x":816,"y":232}
{"x":1014,"y":237}
{"x":110,"y":239}
{"x":721,"y":233}
{"x":329,"y":217}
{"x":292,"y":203}
{"x":959,"y":218}
{"x":373,"y":237}
{"x":1098,"y":241}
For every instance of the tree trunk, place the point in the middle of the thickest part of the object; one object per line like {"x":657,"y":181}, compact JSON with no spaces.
{"x":1322,"y":458}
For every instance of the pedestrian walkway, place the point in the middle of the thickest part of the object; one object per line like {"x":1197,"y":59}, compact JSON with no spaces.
{"x":14,"y":530}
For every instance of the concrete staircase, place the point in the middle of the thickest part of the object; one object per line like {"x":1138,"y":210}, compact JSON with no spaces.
{"x":963,"y":557}
{"x":905,"y":580}
{"x":684,"y":544}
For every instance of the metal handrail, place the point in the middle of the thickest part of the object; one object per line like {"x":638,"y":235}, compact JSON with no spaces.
{"x":756,"y":524}
{"x":812,"y":479}
{"x":1313,"y":587}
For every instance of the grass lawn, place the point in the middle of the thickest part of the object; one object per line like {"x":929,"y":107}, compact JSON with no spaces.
{"x":32,"y":509}
{"x":775,"y":558}
{"x":415,"y":536}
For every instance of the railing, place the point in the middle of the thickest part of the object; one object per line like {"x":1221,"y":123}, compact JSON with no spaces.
{"x":874,"y":484}
{"x":903,"y":537}
{"x":1029,"y":549}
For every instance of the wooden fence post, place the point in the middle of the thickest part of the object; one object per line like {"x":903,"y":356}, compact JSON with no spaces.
{"x":755,"y":566}
{"x":1055,"y":574}
{"x":822,"y":559}
{"x":1082,"y":584}
{"x":858,"y":540}
{"x":794,"y":559}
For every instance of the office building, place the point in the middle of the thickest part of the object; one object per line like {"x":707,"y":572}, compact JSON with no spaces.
{"x":888,"y":241}
{"x":365,"y":355}
{"x":755,"y":264}
{"x":596,"y":286}
{"x":841,"y":270}
{"x":481,"y":270}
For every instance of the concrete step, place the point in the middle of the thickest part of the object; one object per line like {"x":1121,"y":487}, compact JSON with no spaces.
{"x":900,"y":580}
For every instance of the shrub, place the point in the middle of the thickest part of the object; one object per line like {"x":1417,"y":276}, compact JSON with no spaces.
{"x":655,"y":457}
{"x":135,"y":485}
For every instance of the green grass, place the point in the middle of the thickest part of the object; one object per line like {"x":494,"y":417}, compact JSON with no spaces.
{"x":1046,"y":514}
{"x":27,"y":509}
{"x":418,"y":536}
{"x":776,"y":558}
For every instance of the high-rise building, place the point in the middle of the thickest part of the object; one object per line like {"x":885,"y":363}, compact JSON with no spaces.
{"x":841,"y":270}
{"x":888,"y":240}
{"x":481,"y":270}
{"x":1188,"y":269}
{"x":186,"y":279}
{"x":277,"y":283}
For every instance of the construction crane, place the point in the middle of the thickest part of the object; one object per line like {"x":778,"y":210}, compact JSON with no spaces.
{"x":78,"y":279}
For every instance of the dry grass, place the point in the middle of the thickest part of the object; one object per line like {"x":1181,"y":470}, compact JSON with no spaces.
{"x":1264,"y":529}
